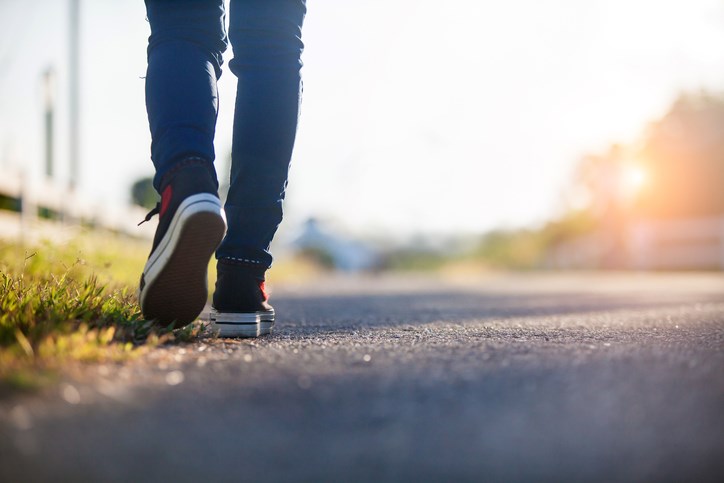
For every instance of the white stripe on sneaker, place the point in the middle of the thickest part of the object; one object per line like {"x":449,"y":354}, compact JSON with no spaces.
{"x":234,"y":324}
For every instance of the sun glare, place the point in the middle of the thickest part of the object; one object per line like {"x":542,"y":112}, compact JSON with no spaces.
{"x":634,"y":178}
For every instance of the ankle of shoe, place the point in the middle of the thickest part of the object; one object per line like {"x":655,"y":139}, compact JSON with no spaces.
{"x":239,"y":287}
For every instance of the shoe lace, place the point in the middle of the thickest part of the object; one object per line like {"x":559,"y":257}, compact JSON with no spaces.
{"x":155,"y":211}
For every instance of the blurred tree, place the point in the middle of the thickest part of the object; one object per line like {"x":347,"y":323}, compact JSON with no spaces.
{"x":684,"y":156}
{"x":677,"y":170}
{"x":143,"y":193}
{"x":318,"y":256}
{"x":602,"y":177}
{"x":518,"y":249}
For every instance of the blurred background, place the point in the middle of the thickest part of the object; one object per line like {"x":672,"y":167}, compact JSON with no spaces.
{"x":460,"y":136}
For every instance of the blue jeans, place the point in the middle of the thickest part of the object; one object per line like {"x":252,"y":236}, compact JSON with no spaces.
{"x":188,"y":38}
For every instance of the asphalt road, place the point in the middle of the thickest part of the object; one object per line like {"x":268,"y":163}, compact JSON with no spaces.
{"x":586,"y":377}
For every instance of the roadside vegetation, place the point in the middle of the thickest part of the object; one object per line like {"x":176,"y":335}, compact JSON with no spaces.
{"x":63,"y":302}
{"x":74,"y":301}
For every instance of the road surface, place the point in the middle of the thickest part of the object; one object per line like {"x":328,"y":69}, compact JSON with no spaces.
{"x":569,"y":377}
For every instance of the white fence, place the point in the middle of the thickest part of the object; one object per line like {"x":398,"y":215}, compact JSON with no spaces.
{"x":679,"y":244}
{"x":65,"y":212}
{"x":683,"y":244}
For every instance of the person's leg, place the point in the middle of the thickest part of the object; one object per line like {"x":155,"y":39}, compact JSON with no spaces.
{"x":266,"y":37}
{"x":185,"y":51}
{"x":184,"y":63}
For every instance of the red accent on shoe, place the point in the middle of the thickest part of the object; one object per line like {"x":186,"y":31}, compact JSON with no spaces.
{"x":262,"y":287}
{"x":165,"y":200}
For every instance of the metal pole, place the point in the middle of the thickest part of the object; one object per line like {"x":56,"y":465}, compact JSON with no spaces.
{"x":49,"y":88}
{"x":74,"y":79}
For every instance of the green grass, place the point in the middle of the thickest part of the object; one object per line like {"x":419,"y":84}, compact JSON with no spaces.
{"x":72,"y":302}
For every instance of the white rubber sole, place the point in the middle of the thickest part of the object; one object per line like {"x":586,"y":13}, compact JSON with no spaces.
{"x":252,"y":324}
{"x":175,"y":285}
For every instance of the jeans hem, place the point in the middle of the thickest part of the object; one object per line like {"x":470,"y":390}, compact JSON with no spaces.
{"x":244,"y":262}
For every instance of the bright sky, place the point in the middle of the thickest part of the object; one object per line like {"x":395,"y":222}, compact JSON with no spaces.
{"x":418,"y":115}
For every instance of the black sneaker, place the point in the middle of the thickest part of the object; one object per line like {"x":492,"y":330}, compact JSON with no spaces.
{"x":173,"y":287}
{"x":240,"y":307}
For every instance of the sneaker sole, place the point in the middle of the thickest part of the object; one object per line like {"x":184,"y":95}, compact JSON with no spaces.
{"x":175,"y":277}
{"x":251,"y":324}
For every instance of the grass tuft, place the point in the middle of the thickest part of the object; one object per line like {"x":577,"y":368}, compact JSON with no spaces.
{"x":54,"y":310}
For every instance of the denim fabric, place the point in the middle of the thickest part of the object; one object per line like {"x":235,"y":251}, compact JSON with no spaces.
{"x":188,"y":38}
